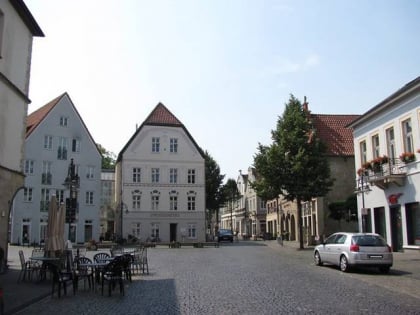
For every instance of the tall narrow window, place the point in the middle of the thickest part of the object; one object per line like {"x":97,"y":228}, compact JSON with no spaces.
{"x":75,"y":145}
{"x":155,"y":199}
{"x":45,"y":199}
{"x":155,"y":230}
{"x":90,"y":172}
{"x":136,"y":175}
{"x":60,"y":195}
{"x":136,"y":229}
{"x":27,"y":194}
{"x":89,"y":197}
{"x":173,"y":175}
{"x":375,"y":146}
{"x":363,"y":153}
{"x":62,"y":148}
{"x":407,"y":135}
{"x":191,"y":176}
{"x":155,"y":145}
{"x":173,"y":200}
{"x":29,"y":167}
{"x":192,"y":231}
{"x":155,"y":175}
{"x":390,"y":144}
{"x":136,"y":199}
{"x":46,"y":177}
{"x":173,"y":145}
{"x":48,"y":142}
{"x":191,"y":200}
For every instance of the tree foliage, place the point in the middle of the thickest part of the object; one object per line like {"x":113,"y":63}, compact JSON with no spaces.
{"x":295,"y":164}
{"x":230,"y":195}
{"x":108,"y":158}
{"x":214,"y":184}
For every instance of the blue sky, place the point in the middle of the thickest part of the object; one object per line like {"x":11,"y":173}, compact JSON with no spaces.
{"x":225,"y":68}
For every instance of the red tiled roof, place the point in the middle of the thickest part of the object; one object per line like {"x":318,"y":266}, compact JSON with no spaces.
{"x":34,"y":119}
{"x":162,"y":116}
{"x":332,"y":130}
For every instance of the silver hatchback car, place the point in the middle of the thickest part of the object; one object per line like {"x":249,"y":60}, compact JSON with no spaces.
{"x":348,"y":250}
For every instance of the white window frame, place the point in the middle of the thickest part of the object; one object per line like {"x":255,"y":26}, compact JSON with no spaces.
{"x":136,"y":229}
{"x":191,"y":231}
{"x":136,"y":175}
{"x":173,"y":145}
{"x":376,"y":148}
{"x":363,"y":151}
{"x":173,"y":202}
{"x":90,"y":172}
{"x":407,"y":131}
{"x":75,"y":145}
{"x":173,"y":175}
{"x":89,"y":198}
{"x":64,"y":120}
{"x":136,"y":199}
{"x":62,"y":148}
{"x":48,"y":142}
{"x":155,"y":144}
{"x":191,"y":201}
{"x":155,"y":175}
{"x":390,"y":143}
{"x":191,"y":176}
{"x":29,"y":167}
{"x":154,"y":230}
{"x":28,"y":194}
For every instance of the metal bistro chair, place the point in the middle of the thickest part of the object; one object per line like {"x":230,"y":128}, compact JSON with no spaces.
{"x":100,"y":258}
{"x":140,"y":262}
{"x":27,"y":267}
{"x":60,"y":279}
{"x":113,"y":274}
{"x":84,"y":270}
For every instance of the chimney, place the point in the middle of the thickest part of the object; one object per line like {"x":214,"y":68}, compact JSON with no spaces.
{"x":305,"y":104}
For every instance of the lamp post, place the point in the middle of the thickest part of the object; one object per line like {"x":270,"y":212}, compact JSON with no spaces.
{"x":362,"y":188}
{"x":71,"y":182}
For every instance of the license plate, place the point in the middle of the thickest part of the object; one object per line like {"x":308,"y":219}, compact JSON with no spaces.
{"x":375,"y":256}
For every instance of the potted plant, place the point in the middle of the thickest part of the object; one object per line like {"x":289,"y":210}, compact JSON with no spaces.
{"x":367,"y":166}
{"x":407,"y":157}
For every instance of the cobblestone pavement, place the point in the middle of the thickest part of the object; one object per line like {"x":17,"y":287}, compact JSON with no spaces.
{"x":241,"y":278}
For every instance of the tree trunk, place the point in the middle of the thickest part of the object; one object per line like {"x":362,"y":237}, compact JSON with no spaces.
{"x":300,"y":225}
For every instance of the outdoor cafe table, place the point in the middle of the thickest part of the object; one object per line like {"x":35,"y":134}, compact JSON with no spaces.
{"x":97,"y":267}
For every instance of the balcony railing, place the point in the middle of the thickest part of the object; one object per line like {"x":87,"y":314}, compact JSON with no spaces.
{"x":381,"y":175}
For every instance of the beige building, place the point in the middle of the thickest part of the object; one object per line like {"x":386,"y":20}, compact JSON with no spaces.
{"x":17,"y":29}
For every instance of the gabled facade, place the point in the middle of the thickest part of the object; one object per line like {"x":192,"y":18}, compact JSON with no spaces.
{"x":282,"y":217}
{"x":17,"y":29}
{"x":247,"y":216}
{"x":386,"y":145}
{"x":55,"y":136}
{"x":160,"y":182}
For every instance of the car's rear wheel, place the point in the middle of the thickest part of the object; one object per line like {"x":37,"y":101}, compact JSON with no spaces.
{"x":384,"y":269}
{"x":317,"y":259}
{"x":344,"y":265}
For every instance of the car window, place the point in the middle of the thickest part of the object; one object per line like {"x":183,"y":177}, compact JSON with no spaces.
{"x":341,"y":239}
{"x":368,"y":240}
{"x":331,"y":239}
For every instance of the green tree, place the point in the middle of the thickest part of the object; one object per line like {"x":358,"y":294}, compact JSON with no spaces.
{"x":108,"y":158}
{"x":295,"y":164}
{"x":230,"y":195}
{"x":214,"y":184}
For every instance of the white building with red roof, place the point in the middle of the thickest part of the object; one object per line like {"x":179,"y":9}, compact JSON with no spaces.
{"x":55,"y":136}
{"x":387,"y":151}
{"x":160,"y":182}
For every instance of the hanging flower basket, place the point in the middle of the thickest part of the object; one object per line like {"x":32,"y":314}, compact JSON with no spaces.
{"x":407,"y":157}
{"x":384,"y":159}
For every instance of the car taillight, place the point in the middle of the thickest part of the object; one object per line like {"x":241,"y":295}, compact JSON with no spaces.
{"x":389,"y":248}
{"x":354,"y":248}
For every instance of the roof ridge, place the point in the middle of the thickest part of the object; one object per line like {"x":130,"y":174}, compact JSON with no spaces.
{"x":161,"y":115}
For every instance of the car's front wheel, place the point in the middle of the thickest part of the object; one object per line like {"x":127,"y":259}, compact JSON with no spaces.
{"x":317,"y":259}
{"x":344,"y":265}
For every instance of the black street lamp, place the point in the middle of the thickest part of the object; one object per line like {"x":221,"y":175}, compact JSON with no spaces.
{"x":362,"y":188}
{"x":71,"y":182}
